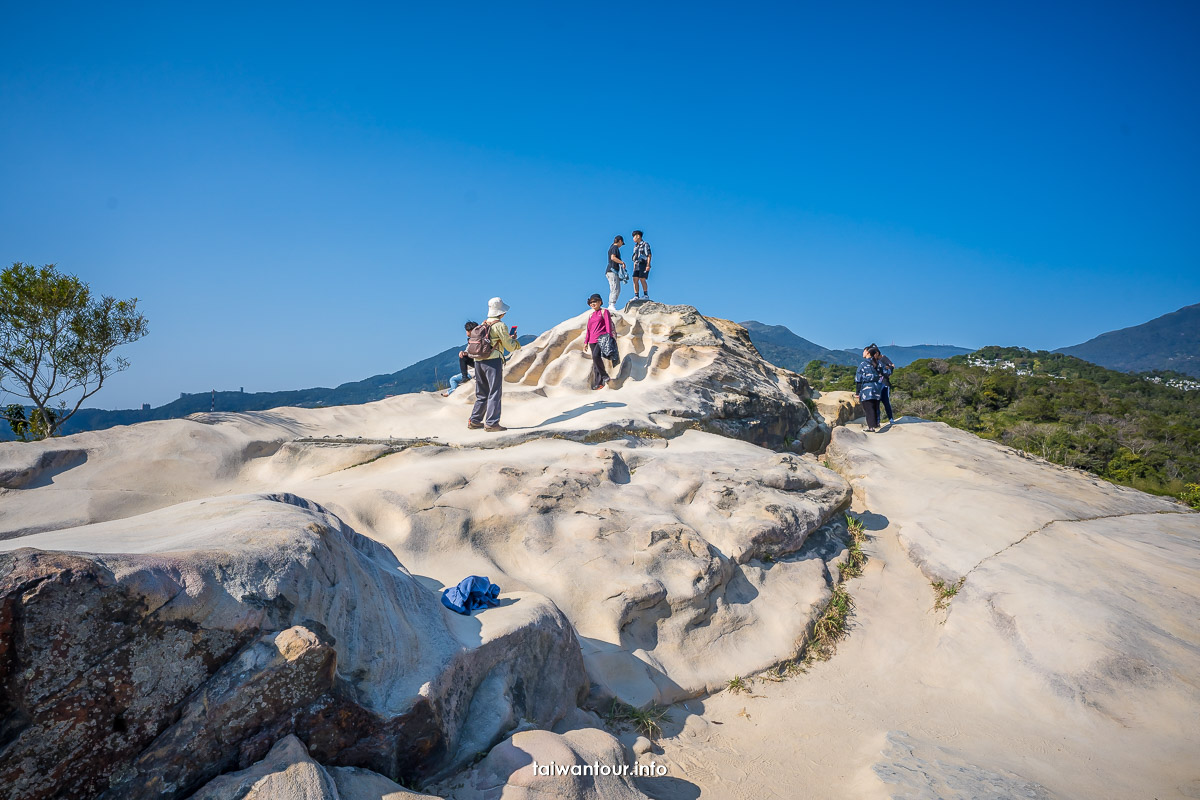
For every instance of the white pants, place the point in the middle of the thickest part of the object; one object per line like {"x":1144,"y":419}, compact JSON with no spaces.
{"x":614,"y":288}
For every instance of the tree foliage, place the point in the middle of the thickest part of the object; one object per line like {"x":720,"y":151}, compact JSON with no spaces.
{"x":826,"y":377}
{"x":56,"y":344}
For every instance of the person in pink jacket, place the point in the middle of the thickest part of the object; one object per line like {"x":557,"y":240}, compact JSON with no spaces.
{"x":598,"y":324}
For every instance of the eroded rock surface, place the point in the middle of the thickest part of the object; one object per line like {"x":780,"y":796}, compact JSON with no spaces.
{"x":1069,"y":602}
{"x":679,"y":562}
{"x":582,"y":764}
{"x":171,"y":609}
{"x":241,"y":620}
{"x":288,"y":772}
{"x":680,"y":371}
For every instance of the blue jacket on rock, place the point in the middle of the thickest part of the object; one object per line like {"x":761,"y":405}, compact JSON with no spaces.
{"x":868,"y":380}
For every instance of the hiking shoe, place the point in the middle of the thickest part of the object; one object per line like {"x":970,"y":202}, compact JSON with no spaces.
{"x":473,"y":425}
{"x":495,"y":428}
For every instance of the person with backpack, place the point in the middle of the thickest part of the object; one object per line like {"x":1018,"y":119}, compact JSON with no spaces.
{"x":869,"y":385}
{"x":464,"y":361}
{"x":615,"y":271}
{"x":487,"y":345}
{"x":641,"y":265}
{"x":599,"y":324}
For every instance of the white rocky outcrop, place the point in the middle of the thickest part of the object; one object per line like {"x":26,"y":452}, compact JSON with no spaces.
{"x":184,"y":595}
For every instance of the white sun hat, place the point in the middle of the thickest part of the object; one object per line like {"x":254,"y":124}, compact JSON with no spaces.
{"x":497,"y":307}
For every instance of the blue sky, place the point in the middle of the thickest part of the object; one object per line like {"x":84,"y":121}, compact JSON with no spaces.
{"x":302,"y":195}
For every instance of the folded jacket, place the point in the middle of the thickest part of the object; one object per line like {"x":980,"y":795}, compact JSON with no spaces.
{"x":471,"y":593}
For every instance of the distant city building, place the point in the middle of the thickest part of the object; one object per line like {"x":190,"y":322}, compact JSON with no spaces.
{"x":145,"y":406}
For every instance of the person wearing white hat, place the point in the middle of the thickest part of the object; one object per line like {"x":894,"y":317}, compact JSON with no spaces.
{"x":487,"y":344}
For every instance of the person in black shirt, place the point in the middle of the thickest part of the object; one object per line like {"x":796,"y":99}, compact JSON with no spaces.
{"x":612,"y":271}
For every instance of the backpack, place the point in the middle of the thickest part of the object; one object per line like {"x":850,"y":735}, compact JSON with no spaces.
{"x":479,"y":342}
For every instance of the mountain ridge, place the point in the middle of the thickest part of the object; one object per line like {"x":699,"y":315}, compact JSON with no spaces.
{"x":1163,"y":343}
{"x":782,"y":346}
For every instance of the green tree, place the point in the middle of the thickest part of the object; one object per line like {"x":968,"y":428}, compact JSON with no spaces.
{"x":57,"y":341}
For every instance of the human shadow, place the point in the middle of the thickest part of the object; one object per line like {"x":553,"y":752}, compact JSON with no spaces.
{"x":634,"y":367}
{"x":587,"y":408}
{"x":872,"y":521}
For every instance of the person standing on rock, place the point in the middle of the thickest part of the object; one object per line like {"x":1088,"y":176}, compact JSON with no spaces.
{"x":641,"y":265}
{"x":869,"y":384}
{"x":598,"y":324}
{"x":487,"y":345}
{"x":615,"y":266}
{"x":886,"y":368}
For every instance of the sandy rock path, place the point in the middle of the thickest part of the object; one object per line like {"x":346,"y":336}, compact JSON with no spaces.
{"x":1035,"y":681}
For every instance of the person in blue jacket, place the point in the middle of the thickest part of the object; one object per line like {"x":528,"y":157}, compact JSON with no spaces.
{"x":869,"y":383}
{"x":886,"y":368}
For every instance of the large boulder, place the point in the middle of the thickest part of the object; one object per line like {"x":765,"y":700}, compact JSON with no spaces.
{"x":288,"y":772}
{"x":696,"y":371}
{"x":177,"y":645}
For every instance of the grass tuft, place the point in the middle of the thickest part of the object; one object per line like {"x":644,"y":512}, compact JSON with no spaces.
{"x":644,"y":720}
{"x":852,"y":567}
{"x":945,"y":592}
{"x":738,"y":684}
{"x":830,"y":627}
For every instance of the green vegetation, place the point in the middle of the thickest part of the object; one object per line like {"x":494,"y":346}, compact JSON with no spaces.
{"x":945,"y":592}
{"x":1125,"y":428}
{"x":830,"y":627}
{"x":825,"y":377}
{"x":852,"y":567}
{"x":37,"y":425}
{"x":738,"y":684}
{"x":644,"y":720}
{"x":56,"y":344}
{"x":1191,"y":495}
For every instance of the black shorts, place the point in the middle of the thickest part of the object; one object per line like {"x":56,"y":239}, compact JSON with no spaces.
{"x":640,"y":270}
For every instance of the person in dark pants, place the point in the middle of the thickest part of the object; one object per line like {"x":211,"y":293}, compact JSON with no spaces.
{"x":489,"y":368}
{"x":886,"y":368}
{"x":464,"y":360}
{"x":869,"y":384}
{"x":464,"y":363}
{"x":598,"y":324}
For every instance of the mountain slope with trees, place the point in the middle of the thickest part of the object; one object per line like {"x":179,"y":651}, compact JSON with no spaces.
{"x":1167,"y":343}
{"x":783,"y":348}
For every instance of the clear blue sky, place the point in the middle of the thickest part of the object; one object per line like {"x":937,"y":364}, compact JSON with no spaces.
{"x":306,"y":194}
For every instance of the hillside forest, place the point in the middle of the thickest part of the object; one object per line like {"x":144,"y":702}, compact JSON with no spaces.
{"x":1133,"y":429}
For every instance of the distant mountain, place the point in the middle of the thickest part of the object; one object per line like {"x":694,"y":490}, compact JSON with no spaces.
{"x":422,"y":376}
{"x":903,"y":356}
{"x":1166,"y":343}
{"x":782,"y":347}
{"x":785,"y":349}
